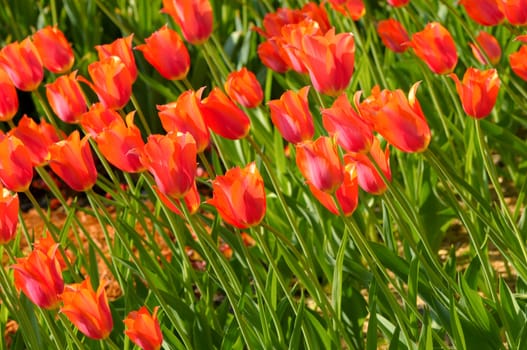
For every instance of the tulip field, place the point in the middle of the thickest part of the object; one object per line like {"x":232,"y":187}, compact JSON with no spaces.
{"x":263,"y":174}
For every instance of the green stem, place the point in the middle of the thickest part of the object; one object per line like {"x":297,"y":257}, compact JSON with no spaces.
{"x":142,"y":118}
{"x":47,"y":112}
{"x":53,"y":328}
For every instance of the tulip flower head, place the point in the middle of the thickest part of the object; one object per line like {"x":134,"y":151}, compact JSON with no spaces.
{"x":171,"y":159}
{"x":239,"y":196}
{"x":353,"y":9}
{"x":72,"y":161}
{"x":490,"y":51}
{"x":143,"y":329}
{"x":66,"y":98}
{"x":8,"y":98}
{"x":484,"y":12}
{"x":518,"y":62}
{"x":167,"y":53}
{"x":191,"y":199}
{"x":16,"y":167}
{"x":40,"y":278}
{"x":223,"y":116}
{"x":122,"y":48}
{"x":291,"y":115}
{"x":54,"y":49}
{"x":393,"y":35}
{"x":9,"y":205}
{"x":435,"y":46}
{"x":194,"y":17}
{"x":87,"y":309}
{"x":398,"y":3}
{"x":478,"y":91}
{"x":23,"y":64}
{"x":243,"y":87}
{"x":184,"y":115}
{"x":319,"y":163}
{"x":515,"y":11}
{"x":398,"y":119}
{"x":97,"y":118}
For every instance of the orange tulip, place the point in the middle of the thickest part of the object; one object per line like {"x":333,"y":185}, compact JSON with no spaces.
{"x":49,"y":247}
{"x":367,"y":175}
{"x":398,"y":3}
{"x":329,"y":60}
{"x":223,"y":116}
{"x":22,"y":64}
{"x":194,"y":17}
{"x":351,"y":132}
{"x":435,"y":46}
{"x":239,"y":196}
{"x":273,"y":55}
{"x":350,"y":8}
{"x":291,"y":115}
{"x":518,"y":62}
{"x":9,"y":205}
{"x":398,"y":119}
{"x":88,"y":310}
{"x":36,"y":137}
{"x":243,"y":87}
{"x":172,"y":161}
{"x":39,"y":277}
{"x":143,"y":329}
{"x":393,"y":35}
{"x":111,"y":82}
{"x":185,"y":115}
{"x":121,"y":48}
{"x":54,"y":49}
{"x":484,"y":12}
{"x":191,"y":199}
{"x":72,"y":161}
{"x":317,"y":13}
{"x":8,"y":98}
{"x":121,"y":144}
{"x":291,"y":43}
{"x":97,"y":118}
{"x":320,"y":164}
{"x":347,"y":194}
{"x":66,"y":98}
{"x":490,"y":49}
{"x":16,"y":168}
{"x":165,"y":50}
{"x":478,"y":91}
{"x":515,"y":11}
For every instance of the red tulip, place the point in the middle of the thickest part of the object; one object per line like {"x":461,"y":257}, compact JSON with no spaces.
{"x":350,"y":8}
{"x":194,"y":17}
{"x":143,"y":329}
{"x":16,"y":168}
{"x":490,"y":49}
{"x":122,"y":48}
{"x":243,"y":87}
{"x":39,"y":277}
{"x":347,"y":195}
{"x":185,"y":115}
{"x":49,"y":247}
{"x":239,"y":196}
{"x":36,"y":137}
{"x":399,"y":120}
{"x":514,"y":10}
{"x":398,"y":3}
{"x":291,"y":43}
{"x":9,"y":205}
{"x":97,"y":118}
{"x":121,"y":144}
{"x":320,"y":164}
{"x":435,"y":46}
{"x":54,"y":49}
{"x":22,"y":64}
{"x":111,"y":82}
{"x":172,"y":161}
{"x":165,"y":50}
{"x":484,"y":12}
{"x":329,"y":60}
{"x":352,"y":133}
{"x":518,"y":62}
{"x":478,"y":91}
{"x":72,"y":161}
{"x":291,"y":115}
{"x":393,"y":35}
{"x":224,"y":117}
{"x":8,"y":98}
{"x":88,"y":310}
{"x":272,"y":55}
{"x":191,"y":199}
{"x":367,"y":175}
{"x":66,"y":98}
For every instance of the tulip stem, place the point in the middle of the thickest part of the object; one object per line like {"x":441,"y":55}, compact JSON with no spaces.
{"x":66,"y":324}
{"x":109,"y":342}
{"x":208,"y":168}
{"x":47,"y":112}
{"x":53,"y":328}
{"x":141,"y":114}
